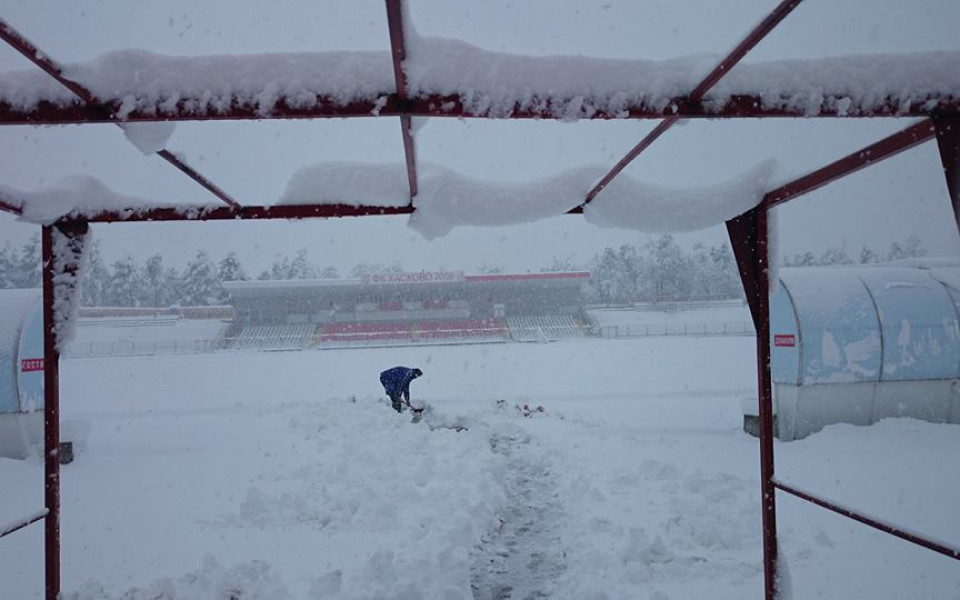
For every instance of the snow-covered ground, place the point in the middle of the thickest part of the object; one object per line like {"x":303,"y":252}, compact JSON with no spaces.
{"x":286,"y":475}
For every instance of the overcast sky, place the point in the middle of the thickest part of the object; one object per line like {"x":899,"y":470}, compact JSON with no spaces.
{"x":252,"y":161}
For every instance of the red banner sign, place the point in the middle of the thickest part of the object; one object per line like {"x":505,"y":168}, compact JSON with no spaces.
{"x":421,"y":277}
{"x":784,"y":340}
{"x":31,"y":364}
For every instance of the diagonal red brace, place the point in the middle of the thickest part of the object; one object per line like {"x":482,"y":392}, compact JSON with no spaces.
{"x":724,"y":67}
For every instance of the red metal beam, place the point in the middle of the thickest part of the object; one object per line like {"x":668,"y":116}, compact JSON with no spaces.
{"x":23,"y":523}
{"x":51,"y":422}
{"x":645,"y":143}
{"x":948,"y":141}
{"x":10,"y":208}
{"x":753,"y":38}
{"x":398,"y":49}
{"x":52,"y":68}
{"x":292,"y":211}
{"x":749,"y":238}
{"x":943,"y":549}
{"x":732,"y":107}
{"x":214,"y":189}
{"x":34,"y":55}
{"x":885,"y":148}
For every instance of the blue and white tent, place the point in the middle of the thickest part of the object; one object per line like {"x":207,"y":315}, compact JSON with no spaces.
{"x":860,"y":344}
{"x":21,"y":371}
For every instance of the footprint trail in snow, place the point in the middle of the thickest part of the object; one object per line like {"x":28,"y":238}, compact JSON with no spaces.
{"x":523,"y":557}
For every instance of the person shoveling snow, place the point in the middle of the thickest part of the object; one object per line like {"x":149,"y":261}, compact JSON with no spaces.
{"x":396,"y":382}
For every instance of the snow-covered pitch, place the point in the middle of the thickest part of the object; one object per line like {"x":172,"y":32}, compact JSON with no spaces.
{"x":267,"y":476}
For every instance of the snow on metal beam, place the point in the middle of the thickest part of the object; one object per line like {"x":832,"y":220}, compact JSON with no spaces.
{"x":284,"y":211}
{"x":52,"y":68}
{"x":724,"y":67}
{"x":399,"y":52}
{"x":885,"y":148}
{"x":731,"y":107}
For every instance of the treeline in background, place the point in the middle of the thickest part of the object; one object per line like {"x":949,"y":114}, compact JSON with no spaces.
{"x":660,"y":270}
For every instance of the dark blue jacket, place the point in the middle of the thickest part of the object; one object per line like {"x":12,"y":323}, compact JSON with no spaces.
{"x":396,"y":381}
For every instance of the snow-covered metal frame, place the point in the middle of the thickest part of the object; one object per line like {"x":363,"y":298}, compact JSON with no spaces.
{"x":33,"y":54}
{"x":748,"y":232}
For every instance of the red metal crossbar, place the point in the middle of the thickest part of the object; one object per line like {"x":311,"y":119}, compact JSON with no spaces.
{"x":736,"y":106}
{"x":18,"y":525}
{"x":51,"y":420}
{"x":10,"y":208}
{"x":222,"y":213}
{"x":893,"y":530}
{"x":885,"y":148}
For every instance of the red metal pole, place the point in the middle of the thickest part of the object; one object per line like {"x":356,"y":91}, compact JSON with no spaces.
{"x":398,"y":50}
{"x":948,"y":140}
{"x":51,"y":423}
{"x":749,"y":239}
{"x":768,"y":495}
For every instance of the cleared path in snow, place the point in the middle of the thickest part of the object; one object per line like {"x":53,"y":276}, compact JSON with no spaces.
{"x":522,"y":558}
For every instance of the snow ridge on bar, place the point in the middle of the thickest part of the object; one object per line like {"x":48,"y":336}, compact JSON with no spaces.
{"x":80,"y":196}
{"x":477,"y":82}
{"x":448,"y":199}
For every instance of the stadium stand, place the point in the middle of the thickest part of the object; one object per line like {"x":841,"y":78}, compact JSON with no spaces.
{"x":274,"y":337}
{"x":544,"y":328}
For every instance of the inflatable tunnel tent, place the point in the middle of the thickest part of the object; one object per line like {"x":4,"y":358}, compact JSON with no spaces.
{"x":860,"y":344}
{"x":21,"y":373}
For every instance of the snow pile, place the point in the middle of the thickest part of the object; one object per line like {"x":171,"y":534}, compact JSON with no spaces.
{"x":496,"y":84}
{"x":79,"y":196}
{"x":148,"y":137}
{"x":488,"y":83}
{"x":447,"y":199}
{"x":628,"y":204}
{"x":264,"y":462}
{"x":253,"y":580}
{"x":847,"y":84}
{"x":348,"y":183}
{"x":69,"y":262}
